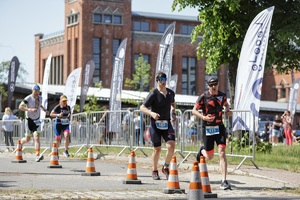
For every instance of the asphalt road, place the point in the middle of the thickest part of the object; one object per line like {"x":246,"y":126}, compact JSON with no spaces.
{"x":32,"y":180}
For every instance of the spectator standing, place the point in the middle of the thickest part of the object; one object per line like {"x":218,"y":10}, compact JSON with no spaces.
{"x":137,"y":127}
{"x":8,"y":128}
{"x":175,"y":124}
{"x":192,"y":130}
{"x":267,"y":129}
{"x":126,"y":124}
{"x":276,"y":130}
{"x":287,"y":127}
{"x":104,"y":131}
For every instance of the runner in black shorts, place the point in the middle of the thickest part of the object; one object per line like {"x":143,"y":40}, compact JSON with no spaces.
{"x":211,"y":104}
{"x":62,"y":114}
{"x":162,"y":103}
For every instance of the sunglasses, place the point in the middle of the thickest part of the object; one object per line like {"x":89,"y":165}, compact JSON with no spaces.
{"x":162,"y":79}
{"x":212,"y":84}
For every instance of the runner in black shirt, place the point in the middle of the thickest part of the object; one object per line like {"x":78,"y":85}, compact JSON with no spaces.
{"x":162,"y":101}
{"x":62,"y":112}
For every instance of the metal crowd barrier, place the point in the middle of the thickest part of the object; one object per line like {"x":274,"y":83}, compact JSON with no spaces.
{"x":130,"y":131}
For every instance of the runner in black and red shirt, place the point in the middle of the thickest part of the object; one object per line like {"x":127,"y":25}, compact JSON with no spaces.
{"x":211,"y":104}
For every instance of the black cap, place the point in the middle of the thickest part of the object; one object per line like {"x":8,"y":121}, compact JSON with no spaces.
{"x":160,"y":75}
{"x":212,"y":80}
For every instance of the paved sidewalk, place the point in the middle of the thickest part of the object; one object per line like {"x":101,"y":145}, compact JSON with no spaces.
{"x":34,"y":180}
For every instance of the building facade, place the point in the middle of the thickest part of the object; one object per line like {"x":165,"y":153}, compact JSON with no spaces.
{"x":94,"y":30}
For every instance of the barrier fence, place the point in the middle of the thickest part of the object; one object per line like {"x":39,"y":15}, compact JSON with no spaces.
{"x":92,"y":130}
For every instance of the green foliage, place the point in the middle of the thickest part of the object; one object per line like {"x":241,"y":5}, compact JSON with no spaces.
{"x":263,"y":147}
{"x":281,"y":157}
{"x":131,"y":101}
{"x":224,"y":25}
{"x":4,"y":70}
{"x":141,"y":78}
{"x":90,"y":105}
{"x":244,"y":145}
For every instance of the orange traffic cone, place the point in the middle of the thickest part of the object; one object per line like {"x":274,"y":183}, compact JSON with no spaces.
{"x":173,"y":181}
{"x":19,"y":157}
{"x":131,"y":177}
{"x":195,"y":191}
{"x":54,"y":157}
{"x":205,"y":180}
{"x":90,"y":169}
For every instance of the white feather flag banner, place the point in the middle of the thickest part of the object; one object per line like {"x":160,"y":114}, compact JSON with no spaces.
{"x":45,"y":86}
{"x":72,"y":87}
{"x":250,"y":71}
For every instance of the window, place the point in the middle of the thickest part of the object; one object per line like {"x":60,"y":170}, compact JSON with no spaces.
{"x":162,"y":27}
{"x":187,"y":29}
{"x":97,"y":59}
{"x":108,"y":19}
{"x":56,"y":73}
{"x":73,"y":18}
{"x":141,"y":26}
{"x":188,"y":76}
{"x":145,"y":57}
{"x":117,"y":19}
{"x":116,"y":44}
{"x":97,"y":18}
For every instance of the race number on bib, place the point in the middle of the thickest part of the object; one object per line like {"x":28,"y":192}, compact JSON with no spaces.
{"x":64,"y":121}
{"x":161,"y":124}
{"x":212,"y":130}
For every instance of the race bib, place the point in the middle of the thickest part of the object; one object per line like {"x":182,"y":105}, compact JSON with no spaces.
{"x":64,"y":121}
{"x":161,"y":124}
{"x":212,"y":130}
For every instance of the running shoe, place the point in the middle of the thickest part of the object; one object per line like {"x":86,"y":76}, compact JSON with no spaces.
{"x":199,"y":154}
{"x":66,"y":153}
{"x":225,"y":185}
{"x":155,"y":175}
{"x":39,"y":158}
{"x":165,"y":171}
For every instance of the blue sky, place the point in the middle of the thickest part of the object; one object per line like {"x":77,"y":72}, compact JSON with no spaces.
{"x":21,"y":20}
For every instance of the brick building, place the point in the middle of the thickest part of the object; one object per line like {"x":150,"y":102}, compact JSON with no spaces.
{"x":94,"y":30}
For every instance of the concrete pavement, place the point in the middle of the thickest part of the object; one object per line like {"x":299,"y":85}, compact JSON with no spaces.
{"x":32,"y":180}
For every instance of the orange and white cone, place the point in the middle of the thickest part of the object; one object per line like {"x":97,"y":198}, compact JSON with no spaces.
{"x":173,"y":181}
{"x":19,"y":157}
{"x":205,"y":180}
{"x":54,"y":157}
{"x":90,"y":169}
{"x":195,"y":190}
{"x":131,"y":176}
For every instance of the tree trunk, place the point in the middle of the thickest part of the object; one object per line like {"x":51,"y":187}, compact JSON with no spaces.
{"x":232,"y":71}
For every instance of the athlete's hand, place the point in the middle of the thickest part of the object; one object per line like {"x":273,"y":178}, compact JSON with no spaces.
{"x":209,"y":118}
{"x":32,"y":109}
{"x":155,"y":115}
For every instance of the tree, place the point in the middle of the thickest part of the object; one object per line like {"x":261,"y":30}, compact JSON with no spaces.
{"x":224,"y":25}
{"x":4,"y":71}
{"x":141,"y":77}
